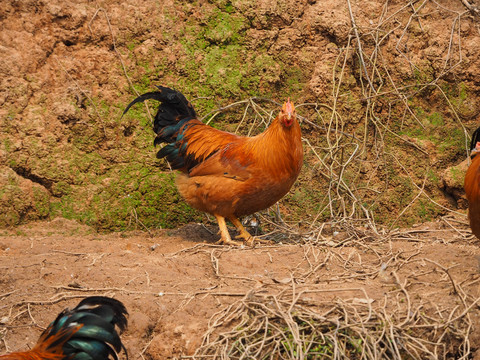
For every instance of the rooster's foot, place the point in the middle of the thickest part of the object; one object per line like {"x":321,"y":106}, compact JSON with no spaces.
{"x":229,"y":242}
{"x":251,"y":240}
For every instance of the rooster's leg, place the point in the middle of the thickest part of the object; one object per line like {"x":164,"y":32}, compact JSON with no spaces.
{"x":244,"y":234}
{"x":225,"y":236}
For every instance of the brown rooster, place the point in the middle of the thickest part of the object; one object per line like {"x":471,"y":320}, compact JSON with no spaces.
{"x":224,"y":174}
{"x":472,"y":184}
{"x":85,"y":333}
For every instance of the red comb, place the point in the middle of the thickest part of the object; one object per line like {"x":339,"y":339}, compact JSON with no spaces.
{"x":288,"y":106}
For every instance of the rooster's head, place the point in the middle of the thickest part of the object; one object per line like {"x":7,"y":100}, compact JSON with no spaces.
{"x":287,"y":114}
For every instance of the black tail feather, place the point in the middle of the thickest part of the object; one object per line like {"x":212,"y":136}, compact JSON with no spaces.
{"x":97,"y":336}
{"x":174,"y":106}
{"x":150,"y":95}
{"x":173,"y":114}
{"x":100,"y":305}
{"x":177,"y":100}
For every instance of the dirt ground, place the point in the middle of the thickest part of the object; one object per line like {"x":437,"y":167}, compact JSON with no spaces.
{"x":172,"y":282}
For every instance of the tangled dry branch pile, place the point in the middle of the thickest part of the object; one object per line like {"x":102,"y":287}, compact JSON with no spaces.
{"x":309,"y":317}
{"x":291,"y":326}
{"x":344,"y":159}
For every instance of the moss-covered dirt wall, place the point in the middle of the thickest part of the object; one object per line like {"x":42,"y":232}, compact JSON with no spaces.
{"x":384,"y":132}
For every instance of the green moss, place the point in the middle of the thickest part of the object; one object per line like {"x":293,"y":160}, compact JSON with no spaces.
{"x":141,"y":194}
{"x":61,"y":188}
{"x":12,"y":163}
{"x":453,"y":142}
{"x":87,"y":139}
{"x":215,"y":61}
{"x":433,"y":177}
{"x":458,"y":95}
{"x":41,"y":202}
{"x":424,"y":73}
{"x":448,"y":138}
{"x":436,"y":119}
{"x":223,"y":70}
{"x":138,"y":194}
{"x":294,"y":79}
{"x":456,"y":92}
{"x":268,"y":69}
{"x":12,"y":205}
{"x":92,"y":163}
{"x":70,"y":207}
{"x":228,"y":7}
{"x":7,"y":144}
{"x":424,"y":209}
{"x":457,"y":175}
{"x":19,"y":204}
{"x":131,"y":44}
{"x":224,"y":28}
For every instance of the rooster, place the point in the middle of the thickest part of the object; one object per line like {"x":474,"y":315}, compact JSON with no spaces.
{"x":472,"y":184}
{"x":224,"y":174}
{"x":85,"y":333}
